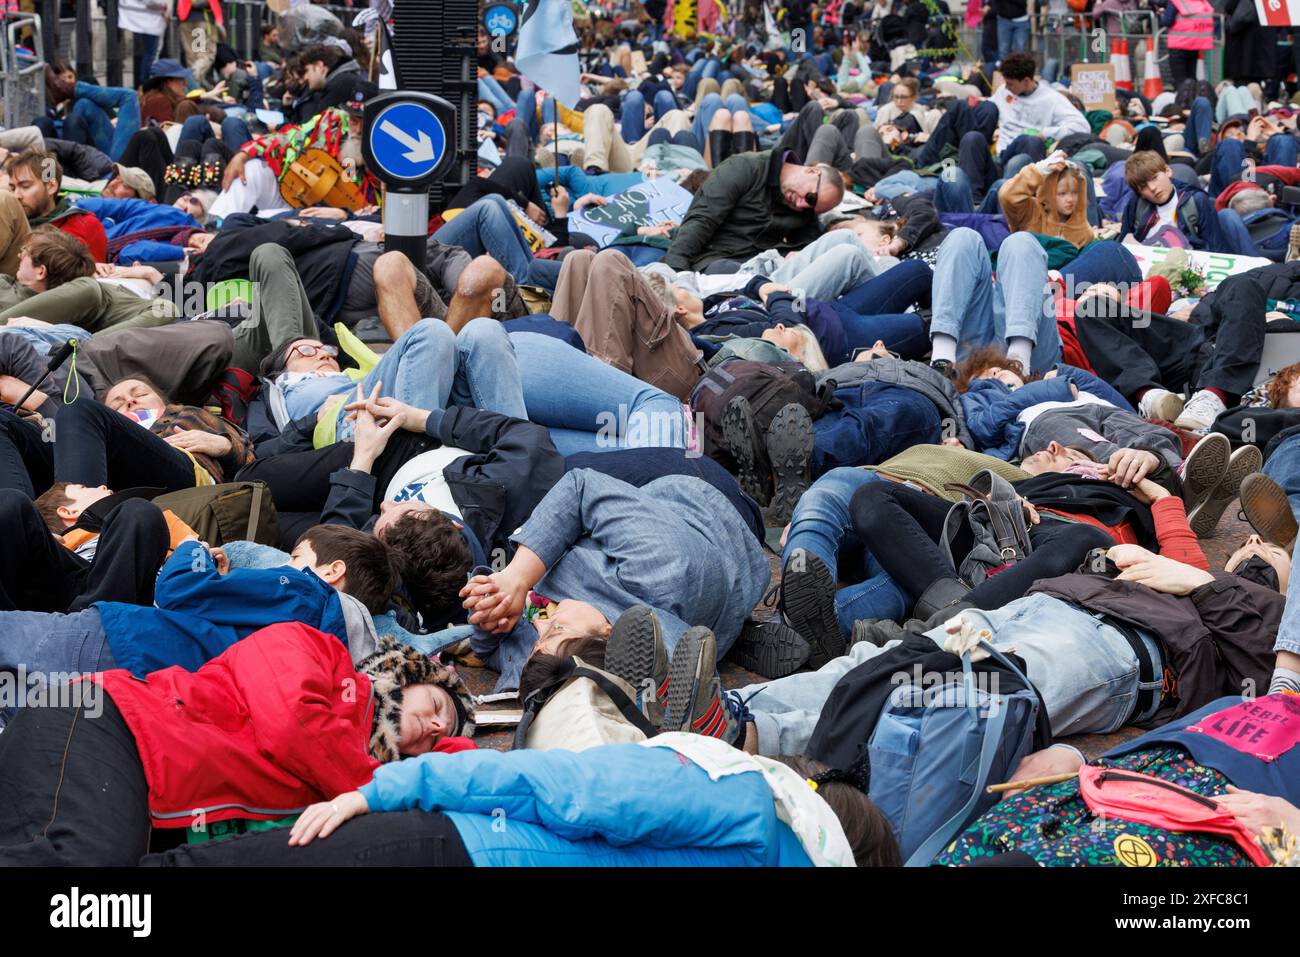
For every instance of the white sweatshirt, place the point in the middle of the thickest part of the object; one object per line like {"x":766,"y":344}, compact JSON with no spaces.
{"x":1045,"y":110}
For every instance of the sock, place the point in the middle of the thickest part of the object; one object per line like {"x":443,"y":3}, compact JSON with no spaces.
{"x":1137,"y":399}
{"x":1020,"y":349}
{"x":1284,"y":679}
{"x":943,"y":346}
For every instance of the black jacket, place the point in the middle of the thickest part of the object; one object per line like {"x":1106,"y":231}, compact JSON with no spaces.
{"x":511,"y":466}
{"x":323,"y":255}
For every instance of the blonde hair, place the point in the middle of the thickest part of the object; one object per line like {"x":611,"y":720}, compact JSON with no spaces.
{"x":707,"y":86}
{"x":733,"y":86}
{"x":810,"y":356}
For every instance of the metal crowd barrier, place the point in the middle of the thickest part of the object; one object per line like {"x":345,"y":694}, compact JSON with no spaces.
{"x":22,"y":67}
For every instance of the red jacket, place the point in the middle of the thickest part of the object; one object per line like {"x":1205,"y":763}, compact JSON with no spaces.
{"x":89,"y":230}
{"x":277,"y":722}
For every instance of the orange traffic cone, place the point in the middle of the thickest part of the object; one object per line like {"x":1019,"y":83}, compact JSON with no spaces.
{"x":1123,"y":69}
{"x":1152,"y":84}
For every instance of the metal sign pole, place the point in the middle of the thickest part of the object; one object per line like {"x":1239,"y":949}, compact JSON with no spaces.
{"x":406,"y":225}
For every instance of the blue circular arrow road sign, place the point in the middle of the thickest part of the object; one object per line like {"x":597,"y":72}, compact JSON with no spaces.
{"x":406,"y":140}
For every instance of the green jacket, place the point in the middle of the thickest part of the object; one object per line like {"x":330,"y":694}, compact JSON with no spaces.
{"x":737,"y":213}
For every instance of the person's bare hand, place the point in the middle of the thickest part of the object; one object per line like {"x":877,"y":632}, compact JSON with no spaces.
{"x":536,"y":213}
{"x":324,"y":212}
{"x":235,"y":168}
{"x":322,"y":820}
{"x":105,"y":270}
{"x":329,"y":407}
{"x":1031,"y":513}
{"x":1042,"y":764}
{"x":590,"y":199}
{"x":199,"y":442}
{"x":495,"y":601}
{"x":1129,"y":466}
{"x":1158,"y":573}
{"x":559,"y":201}
{"x":1260,"y":811}
{"x":221,"y":559}
{"x":1144,"y":490}
{"x":28,"y":322}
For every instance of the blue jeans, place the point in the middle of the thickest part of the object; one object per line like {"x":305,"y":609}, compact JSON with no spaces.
{"x":489,"y":89}
{"x":1227,"y":166}
{"x":893,"y":291}
{"x":429,"y":367}
{"x":1084,"y":669}
{"x":1282,"y":150}
{"x":902,"y":332}
{"x":234,"y":131}
{"x":1236,"y":235}
{"x":1105,"y":261}
{"x":1013,"y":36}
{"x":821,"y":525}
{"x":829,"y":266}
{"x":1283,"y":467}
{"x":144,"y":54}
{"x":89,"y":121}
{"x":701,"y":69}
{"x":976,"y":311}
{"x":710,"y":105}
{"x":612,"y":410}
{"x":633,"y":116}
{"x":52,"y":645}
{"x":487,"y":228}
{"x":877,"y":422}
{"x":1198,"y":134}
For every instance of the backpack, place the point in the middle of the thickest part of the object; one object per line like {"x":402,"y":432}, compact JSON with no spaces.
{"x":1270,"y":231}
{"x":581,"y":707}
{"x":992,"y":513}
{"x":935,"y":749}
{"x":232,"y":512}
{"x":769,"y":387}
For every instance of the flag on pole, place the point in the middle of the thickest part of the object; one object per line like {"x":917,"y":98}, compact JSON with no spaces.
{"x":548,"y":49}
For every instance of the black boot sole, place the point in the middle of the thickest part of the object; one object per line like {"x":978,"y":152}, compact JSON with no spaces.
{"x":790,"y":441}
{"x":771,"y":649}
{"x":741,"y":438}
{"x":808,"y":597}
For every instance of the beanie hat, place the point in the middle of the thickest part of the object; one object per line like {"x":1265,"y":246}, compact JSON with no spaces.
{"x":391,"y":669}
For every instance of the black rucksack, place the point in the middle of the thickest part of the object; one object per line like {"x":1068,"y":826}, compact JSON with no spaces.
{"x":769,"y":387}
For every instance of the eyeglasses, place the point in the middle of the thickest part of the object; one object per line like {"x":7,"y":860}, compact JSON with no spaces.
{"x":811,"y":198}
{"x":307,"y":351}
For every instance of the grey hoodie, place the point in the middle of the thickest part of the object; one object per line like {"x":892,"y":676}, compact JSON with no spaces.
{"x":909,"y":374}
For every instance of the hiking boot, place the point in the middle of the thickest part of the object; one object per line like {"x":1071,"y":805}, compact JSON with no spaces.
{"x":1204,"y":519}
{"x":1160,"y":404}
{"x":1293,"y":248}
{"x":636,"y":653}
{"x":769,"y":648}
{"x":1200,"y":412}
{"x":789,"y":449}
{"x":1268,"y":510}
{"x":808,"y":601}
{"x":1203,"y":468}
{"x":696,"y":702}
{"x":740,"y":437}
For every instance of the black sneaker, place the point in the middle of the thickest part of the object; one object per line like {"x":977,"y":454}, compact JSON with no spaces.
{"x":741,"y":438}
{"x":808,"y":600}
{"x":636,"y":653}
{"x":790,"y":441}
{"x":769,"y":648}
{"x":946,"y":367}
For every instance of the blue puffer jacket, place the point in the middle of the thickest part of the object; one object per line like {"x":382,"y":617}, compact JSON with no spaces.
{"x":201,"y":613}
{"x":617,"y":805}
{"x":991,"y":407}
{"x":122,"y":217}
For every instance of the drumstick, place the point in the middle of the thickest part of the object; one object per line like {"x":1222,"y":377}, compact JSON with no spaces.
{"x":1030,"y":782}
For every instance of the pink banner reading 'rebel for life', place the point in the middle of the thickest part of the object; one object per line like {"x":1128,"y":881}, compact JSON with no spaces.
{"x":1264,"y":727}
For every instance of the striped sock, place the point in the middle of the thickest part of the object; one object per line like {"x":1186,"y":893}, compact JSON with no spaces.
{"x":1284,"y":679}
